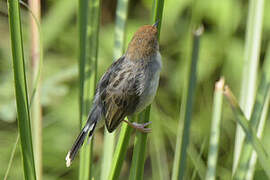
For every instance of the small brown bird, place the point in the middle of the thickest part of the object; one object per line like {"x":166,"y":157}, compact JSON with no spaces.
{"x":128,"y":86}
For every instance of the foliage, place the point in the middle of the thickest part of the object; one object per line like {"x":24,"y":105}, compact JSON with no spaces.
{"x":221,"y":54}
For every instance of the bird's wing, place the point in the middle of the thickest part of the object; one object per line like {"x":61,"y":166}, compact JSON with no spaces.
{"x":119,"y":92}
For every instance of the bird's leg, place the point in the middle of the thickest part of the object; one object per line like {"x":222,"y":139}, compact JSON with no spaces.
{"x":140,"y":127}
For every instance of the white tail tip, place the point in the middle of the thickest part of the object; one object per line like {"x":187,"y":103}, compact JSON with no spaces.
{"x":68,"y":160}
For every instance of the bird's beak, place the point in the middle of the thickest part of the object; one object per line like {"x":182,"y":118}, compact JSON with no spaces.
{"x":156,"y":24}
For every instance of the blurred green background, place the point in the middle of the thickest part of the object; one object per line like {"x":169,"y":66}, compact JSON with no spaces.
{"x":221,"y":54}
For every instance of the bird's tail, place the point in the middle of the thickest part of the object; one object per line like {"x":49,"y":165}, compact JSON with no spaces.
{"x":89,"y":128}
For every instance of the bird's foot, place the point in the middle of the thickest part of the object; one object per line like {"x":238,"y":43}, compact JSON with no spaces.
{"x":139,"y":127}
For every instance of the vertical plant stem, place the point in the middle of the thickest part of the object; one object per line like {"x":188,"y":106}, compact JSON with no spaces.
{"x":120,"y":151}
{"x":11,"y":156}
{"x":119,"y":45}
{"x":261,"y":97}
{"x":82,"y":23}
{"x":251,"y":59}
{"x":23,"y":115}
{"x":85,"y":150}
{"x":157,"y":13}
{"x":36,"y":111}
{"x":157,"y":148}
{"x":120,"y":28}
{"x":139,"y":153}
{"x":198,"y":162}
{"x":89,"y":28}
{"x":260,"y":130}
{"x":92,"y":58}
{"x":250,"y":133}
{"x":181,"y":148}
{"x":215,"y":131}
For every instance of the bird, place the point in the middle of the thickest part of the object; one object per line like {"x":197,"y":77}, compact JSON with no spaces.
{"x":127,"y":87}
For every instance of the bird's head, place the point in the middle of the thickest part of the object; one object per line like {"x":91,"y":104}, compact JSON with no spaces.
{"x":144,"y":43}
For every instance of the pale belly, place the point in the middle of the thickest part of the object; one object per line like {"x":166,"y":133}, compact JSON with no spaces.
{"x":151,"y":85}
{"x":149,"y":95}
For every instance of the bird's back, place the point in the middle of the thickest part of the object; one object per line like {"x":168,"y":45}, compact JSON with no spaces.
{"x":127,"y":88}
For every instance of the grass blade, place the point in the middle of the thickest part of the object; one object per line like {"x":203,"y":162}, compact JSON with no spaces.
{"x":260,"y":131}
{"x":249,"y":132}
{"x":120,"y":28}
{"x":36,"y":62}
{"x":89,"y":29}
{"x":35,"y":82}
{"x":181,"y":148}
{"x":139,"y":153}
{"x":21,"y":90}
{"x":251,"y":61}
{"x":120,"y":151}
{"x":39,"y":53}
{"x":261,"y":97}
{"x":119,"y":45}
{"x":82,"y":23}
{"x":215,"y":130}
{"x":158,"y":6}
{"x":157,"y":148}
{"x":11,"y":157}
{"x":197,"y":160}
{"x":36,"y":111}
{"x":85,"y":150}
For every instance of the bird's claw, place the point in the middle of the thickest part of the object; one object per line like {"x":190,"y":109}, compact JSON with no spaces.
{"x":141,"y":127}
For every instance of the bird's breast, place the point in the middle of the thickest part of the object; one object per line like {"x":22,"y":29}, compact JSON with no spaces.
{"x":150,"y":82}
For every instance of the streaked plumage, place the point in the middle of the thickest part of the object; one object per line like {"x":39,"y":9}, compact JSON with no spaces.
{"x":127,"y":87}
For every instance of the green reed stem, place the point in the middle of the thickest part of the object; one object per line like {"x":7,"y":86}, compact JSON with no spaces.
{"x":183,"y":138}
{"x":23,"y":115}
{"x":139,"y":153}
{"x":250,"y":68}
{"x":215,"y":131}
{"x":89,"y":32}
{"x":36,"y":109}
{"x":35,"y":83}
{"x":260,"y":101}
{"x":109,"y":138}
{"x":157,"y":147}
{"x":84,"y":168}
{"x":250,"y":133}
{"x":120,"y":151}
{"x":196,"y":158}
{"x":11,"y":156}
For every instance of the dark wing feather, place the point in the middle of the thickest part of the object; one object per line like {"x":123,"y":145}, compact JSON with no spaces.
{"x":118,"y":93}
{"x":118,"y":107}
{"x":110,"y":74}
